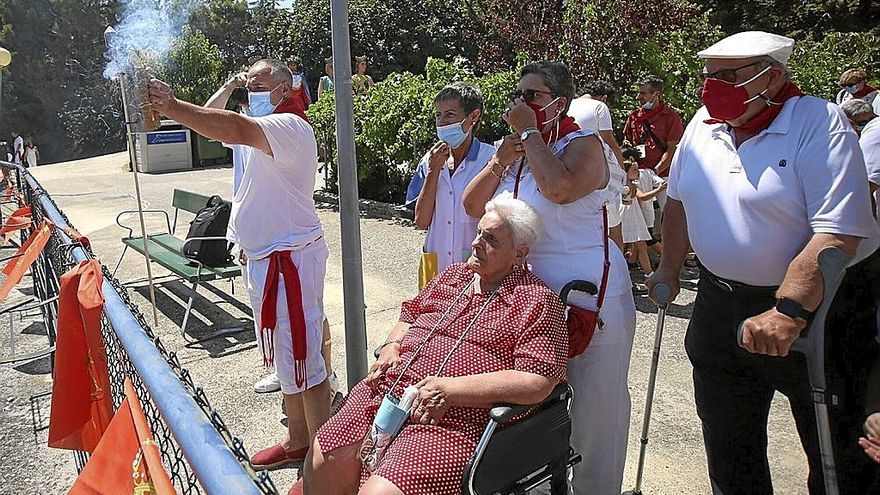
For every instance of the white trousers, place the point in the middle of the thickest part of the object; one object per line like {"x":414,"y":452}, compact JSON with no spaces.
{"x":311,"y":263}
{"x":600,"y":409}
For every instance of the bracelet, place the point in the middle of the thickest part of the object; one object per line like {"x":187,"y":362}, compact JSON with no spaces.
{"x":382,"y":346}
{"x":492,"y":171}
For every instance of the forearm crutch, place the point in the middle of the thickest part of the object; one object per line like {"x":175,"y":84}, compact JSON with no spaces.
{"x":811,"y":343}
{"x":661,"y":293}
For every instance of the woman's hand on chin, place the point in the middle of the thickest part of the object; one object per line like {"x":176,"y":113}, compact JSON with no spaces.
{"x":432,"y":402}
{"x":388,"y":358}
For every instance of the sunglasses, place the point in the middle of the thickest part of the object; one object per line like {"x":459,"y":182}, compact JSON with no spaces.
{"x":529,"y":95}
{"x":726,"y":75}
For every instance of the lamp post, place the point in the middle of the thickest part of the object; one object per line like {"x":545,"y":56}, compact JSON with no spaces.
{"x":5,"y":59}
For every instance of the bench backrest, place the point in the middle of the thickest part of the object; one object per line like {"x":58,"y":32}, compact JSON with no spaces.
{"x":189,"y":201}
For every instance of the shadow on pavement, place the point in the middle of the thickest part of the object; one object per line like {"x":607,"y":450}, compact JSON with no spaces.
{"x":203,"y":309}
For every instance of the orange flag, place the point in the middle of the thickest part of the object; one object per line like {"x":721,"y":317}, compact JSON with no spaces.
{"x":18,"y":220}
{"x":127,"y":459}
{"x":25,"y":256}
{"x":81,"y":402}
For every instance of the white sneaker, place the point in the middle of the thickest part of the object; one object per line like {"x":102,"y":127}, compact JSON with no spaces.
{"x":269,"y":383}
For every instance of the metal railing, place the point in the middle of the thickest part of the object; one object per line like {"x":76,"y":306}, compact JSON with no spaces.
{"x":199,"y":451}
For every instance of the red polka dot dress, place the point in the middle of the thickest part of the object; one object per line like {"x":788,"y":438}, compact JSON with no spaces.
{"x":522,"y":328}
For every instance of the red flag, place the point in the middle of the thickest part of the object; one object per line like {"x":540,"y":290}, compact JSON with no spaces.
{"x":81,"y":402}
{"x":127,"y":459}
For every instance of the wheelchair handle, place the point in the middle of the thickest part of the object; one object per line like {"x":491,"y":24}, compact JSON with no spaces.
{"x":577,"y":285}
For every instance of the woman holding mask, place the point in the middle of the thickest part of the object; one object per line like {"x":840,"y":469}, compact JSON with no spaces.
{"x":562,"y":172}
{"x":438,"y":184}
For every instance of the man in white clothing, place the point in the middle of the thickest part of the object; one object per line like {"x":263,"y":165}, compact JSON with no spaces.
{"x":275,"y":224}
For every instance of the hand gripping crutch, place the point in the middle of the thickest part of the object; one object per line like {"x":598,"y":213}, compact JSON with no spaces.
{"x":661,"y":293}
{"x":811,"y":343}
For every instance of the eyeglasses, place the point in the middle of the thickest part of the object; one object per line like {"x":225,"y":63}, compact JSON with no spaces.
{"x":726,"y":75}
{"x":529,"y":95}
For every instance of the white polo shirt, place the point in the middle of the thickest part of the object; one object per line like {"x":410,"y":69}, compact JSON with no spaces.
{"x":273,"y":208}
{"x":452,"y":230}
{"x":590,"y":114}
{"x":751,"y":210}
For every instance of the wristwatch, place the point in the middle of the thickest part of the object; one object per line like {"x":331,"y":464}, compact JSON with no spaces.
{"x":382,"y":346}
{"x":792,"y":309}
{"x":528,"y":132}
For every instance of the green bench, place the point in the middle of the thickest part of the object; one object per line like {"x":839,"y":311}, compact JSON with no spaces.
{"x":166,"y":249}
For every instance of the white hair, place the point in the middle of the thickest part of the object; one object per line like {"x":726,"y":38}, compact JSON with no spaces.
{"x":522,"y":219}
{"x":855,"y":107}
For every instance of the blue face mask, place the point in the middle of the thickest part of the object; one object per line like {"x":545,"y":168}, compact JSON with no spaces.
{"x":260,"y":103}
{"x":452,"y":134}
{"x":852,"y":89}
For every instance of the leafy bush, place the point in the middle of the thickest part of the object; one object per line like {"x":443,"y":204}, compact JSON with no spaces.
{"x":193,"y":67}
{"x":816,"y":65}
{"x":394,"y":123}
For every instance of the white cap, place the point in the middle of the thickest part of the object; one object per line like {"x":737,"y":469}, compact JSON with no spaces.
{"x":750,"y":44}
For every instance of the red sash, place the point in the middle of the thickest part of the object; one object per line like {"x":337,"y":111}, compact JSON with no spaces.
{"x":280,"y":262}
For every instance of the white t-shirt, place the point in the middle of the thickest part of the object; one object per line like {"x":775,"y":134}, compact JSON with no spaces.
{"x":452,"y":230}
{"x":237,"y":173}
{"x":751,"y":210}
{"x":273,"y":208}
{"x":18,"y":147}
{"x":648,"y":181}
{"x":590,"y":114}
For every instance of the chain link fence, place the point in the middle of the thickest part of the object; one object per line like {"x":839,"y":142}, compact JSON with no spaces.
{"x":198,"y":460}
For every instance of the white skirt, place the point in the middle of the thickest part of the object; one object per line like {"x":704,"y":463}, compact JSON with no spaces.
{"x":634,"y":227}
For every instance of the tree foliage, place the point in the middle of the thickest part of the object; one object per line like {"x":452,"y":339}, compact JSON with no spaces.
{"x":193,"y":67}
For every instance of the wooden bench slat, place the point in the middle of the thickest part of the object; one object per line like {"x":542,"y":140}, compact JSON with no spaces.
{"x":189,"y":201}
{"x":165,"y":250}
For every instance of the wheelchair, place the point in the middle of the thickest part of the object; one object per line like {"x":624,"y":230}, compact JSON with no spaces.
{"x":514,"y":457}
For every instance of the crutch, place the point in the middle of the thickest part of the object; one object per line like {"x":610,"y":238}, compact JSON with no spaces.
{"x":661,"y":293}
{"x":811,"y":343}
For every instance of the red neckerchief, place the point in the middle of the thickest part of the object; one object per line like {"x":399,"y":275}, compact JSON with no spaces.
{"x":642,"y":115}
{"x":765,"y":118}
{"x":566,"y":126}
{"x":280,"y":262}
{"x":864,"y":92}
{"x":290,"y":105}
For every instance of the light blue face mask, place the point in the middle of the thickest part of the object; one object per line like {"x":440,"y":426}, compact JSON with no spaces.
{"x":648,"y":105}
{"x":260,"y":103}
{"x":453,"y":135}
{"x":852,"y":89}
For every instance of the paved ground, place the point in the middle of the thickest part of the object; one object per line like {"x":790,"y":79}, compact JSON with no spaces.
{"x":92,"y":192}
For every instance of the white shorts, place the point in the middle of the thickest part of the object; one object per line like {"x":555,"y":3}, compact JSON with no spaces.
{"x":311,"y":263}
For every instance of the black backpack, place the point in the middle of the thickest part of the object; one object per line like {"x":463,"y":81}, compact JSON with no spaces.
{"x":210,"y":221}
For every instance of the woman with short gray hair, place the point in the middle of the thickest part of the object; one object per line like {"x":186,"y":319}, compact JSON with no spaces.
{"x":436,"y":189}
{"x":561,"y":171}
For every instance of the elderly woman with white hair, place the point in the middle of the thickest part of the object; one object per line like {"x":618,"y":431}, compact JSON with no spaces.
{"x":480,"y":333}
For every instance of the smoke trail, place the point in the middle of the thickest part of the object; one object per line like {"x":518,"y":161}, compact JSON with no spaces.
{"x":148,"y":27}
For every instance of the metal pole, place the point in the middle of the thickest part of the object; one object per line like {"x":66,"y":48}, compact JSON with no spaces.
{"x":132,"y":156}
{"x":352,"y":268}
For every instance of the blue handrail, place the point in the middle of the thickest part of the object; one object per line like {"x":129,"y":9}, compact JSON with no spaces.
{"x":214,"y":464}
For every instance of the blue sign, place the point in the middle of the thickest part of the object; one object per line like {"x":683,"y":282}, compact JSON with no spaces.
{"x":166,"y":137}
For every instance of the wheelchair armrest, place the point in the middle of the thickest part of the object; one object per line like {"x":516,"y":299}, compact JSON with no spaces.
{"x":502,"y":413}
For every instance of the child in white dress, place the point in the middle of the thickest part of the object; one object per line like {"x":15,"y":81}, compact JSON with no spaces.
{"x":635,"y":230}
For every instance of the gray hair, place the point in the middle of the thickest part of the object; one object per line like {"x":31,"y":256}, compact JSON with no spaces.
{"x":278,"y":70}
{"x":469,"y":97}
{"x":655,"y":82}
{"x":556,"y":76}
{"x":856,"y":107}
{"x":522,"y":219}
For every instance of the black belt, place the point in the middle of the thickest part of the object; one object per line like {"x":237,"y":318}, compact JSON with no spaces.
{"x":734,"y":287}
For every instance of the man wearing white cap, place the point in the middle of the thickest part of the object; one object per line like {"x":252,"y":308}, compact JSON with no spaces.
{"x":763,"y":179}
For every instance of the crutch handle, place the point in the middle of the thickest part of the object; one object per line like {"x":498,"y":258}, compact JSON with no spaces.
{"x":661,"y":293}
{"x":800,"y":345}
